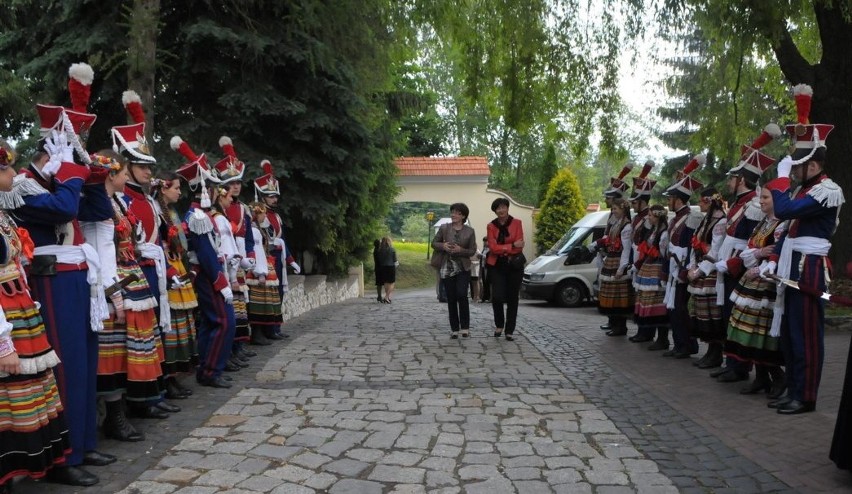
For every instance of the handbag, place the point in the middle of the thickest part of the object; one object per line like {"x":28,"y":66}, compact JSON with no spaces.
{"x":517,"y":262}
{"x":437,"y":259}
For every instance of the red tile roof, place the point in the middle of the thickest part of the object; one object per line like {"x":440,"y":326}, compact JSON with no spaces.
{"x":443,"y":166}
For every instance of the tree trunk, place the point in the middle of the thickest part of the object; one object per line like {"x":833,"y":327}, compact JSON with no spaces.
{"x":142,"y":55}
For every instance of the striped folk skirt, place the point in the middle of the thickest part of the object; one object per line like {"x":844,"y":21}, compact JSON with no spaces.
{"x":616,"y":295}
{"x":130,"y":353}
{"x":33,"y":432}
{"x":649,"y":309}
{"x":705,"y":312}
{"x":179,"y":344}
{"x":264,"y":304}
{"x":748,"y":337}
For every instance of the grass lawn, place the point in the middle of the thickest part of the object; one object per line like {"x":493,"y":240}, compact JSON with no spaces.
{"x":413,"y":271}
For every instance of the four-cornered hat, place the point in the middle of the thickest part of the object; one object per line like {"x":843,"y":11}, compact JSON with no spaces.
{"x":617,"y":185}
{"x":195,"y":171}
{"x":230,"y":168}
{"x":266,"y":184}
{"x":809,"y":138}
{"x":130,"y":140}
{"x":685,"y":185}
{"x":752,"y":162}
{"x":642,"y":186}
{"x":684,"y":188}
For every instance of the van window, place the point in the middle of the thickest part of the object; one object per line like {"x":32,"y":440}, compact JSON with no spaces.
{"x":577,"y":235}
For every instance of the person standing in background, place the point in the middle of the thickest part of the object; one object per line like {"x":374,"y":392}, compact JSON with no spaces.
{"x":386,"y":264}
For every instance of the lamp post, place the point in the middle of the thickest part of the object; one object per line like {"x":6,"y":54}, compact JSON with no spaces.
{"x":430,"y":216}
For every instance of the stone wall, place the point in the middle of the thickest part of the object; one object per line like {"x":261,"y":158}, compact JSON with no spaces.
{"x":310,"y":292}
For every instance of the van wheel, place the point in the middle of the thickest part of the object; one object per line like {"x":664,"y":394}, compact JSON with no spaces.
{"x":569,"y":293}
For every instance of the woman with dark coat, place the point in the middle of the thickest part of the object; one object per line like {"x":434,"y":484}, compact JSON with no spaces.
{"x":505,"y":241}
{"x":456,"y":242}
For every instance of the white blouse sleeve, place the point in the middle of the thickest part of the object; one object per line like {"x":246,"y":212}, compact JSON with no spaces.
{"x":626,"y":245}
{"x":261,"y":267}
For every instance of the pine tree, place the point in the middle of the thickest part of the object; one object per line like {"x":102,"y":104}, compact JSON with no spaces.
{"x":562,"y":207}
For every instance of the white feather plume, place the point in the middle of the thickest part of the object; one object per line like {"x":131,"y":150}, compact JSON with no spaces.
{"x":82,"y":72}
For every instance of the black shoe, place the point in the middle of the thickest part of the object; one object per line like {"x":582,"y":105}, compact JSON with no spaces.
{"x":218,"y":382}
{"x":98,"y":459}
{"x":777,"y":389}
{"x":241,"y":363}
{"x":606,"y":327}
{"x":275,"y":337}
{"x":228,"y":378}
{"x":76,"y":476}
{"x":756,"y":386}
{"x":167,"y":407}
{"x":670,"y":353}
{"x":248,"y":353}
{"x":257,"y":338}
{"x":231,"y":367}
{"x":732,"y":377}
{"x":659,"y":345}
{"x":454,"y":335}
{"x":617,"y":332}
{"x":711,"y":363}
{"x":498,"y":334}
{"x":173,"y":391}
{"x":795,"y":407}
{"x":681,"y":355}
{"x":148,"y":412}
{"x":510,"y":337}
{"x":718,"y":372}
{"x":640,"y":339}
{"x":779,"y":402}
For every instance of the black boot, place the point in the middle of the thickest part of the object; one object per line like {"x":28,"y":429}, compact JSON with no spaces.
{"x":257,"y":338}
{"x":619,"y":327}
{"x":713,"y":357}
{"x":116,"y":425}
{"x":761,"y":381}
{"x":779,"y":382}
{"x":173,"y":391}
{"x":662,"y":341}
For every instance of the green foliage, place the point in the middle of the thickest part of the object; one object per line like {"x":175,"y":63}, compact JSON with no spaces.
{"x":548,"y":171}
{"x":415,"y":228}
{"x":562,"y":206}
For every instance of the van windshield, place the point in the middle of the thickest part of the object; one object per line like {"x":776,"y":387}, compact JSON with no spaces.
{"x":575,"y":236}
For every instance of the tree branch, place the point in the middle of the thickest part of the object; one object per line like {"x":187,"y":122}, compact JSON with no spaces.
{"x":793,"y":64}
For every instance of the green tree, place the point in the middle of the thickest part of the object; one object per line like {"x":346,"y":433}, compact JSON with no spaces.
{"x":415,"y":228}
{"x":548,"y":171}
{"x":562,"y":206}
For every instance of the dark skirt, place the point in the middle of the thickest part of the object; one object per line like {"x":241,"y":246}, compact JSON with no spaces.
{"x":387,"y":274}
{"x":841,"y":444}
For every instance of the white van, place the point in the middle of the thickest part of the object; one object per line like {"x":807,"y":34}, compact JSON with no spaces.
{"x":564,"y":275}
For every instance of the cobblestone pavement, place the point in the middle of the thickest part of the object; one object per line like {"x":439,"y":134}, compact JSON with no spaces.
{"x":374,"y":398}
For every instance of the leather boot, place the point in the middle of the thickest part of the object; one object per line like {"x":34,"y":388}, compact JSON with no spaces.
{"x":257,"y":338}
{"x":173,"y":391}
{"x":761,"y":381}
{"x":779,"y":382}
{"x":713,"y":357}
{"x":662,"y":341}
{"x":116,"y":425}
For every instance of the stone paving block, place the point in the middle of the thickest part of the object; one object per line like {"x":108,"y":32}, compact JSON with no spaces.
{"x":400,"y":475}
{"x":220,"y":461}
{"x":288,"y":488}
{"x":606,"y":477}
{"x":479,"y":472}
{"x":352,"y":486}
{"x":533,"y":487}
{"x":486,"y":459}
{"x":321,"y":481}
{"x":221,"y":478}
{"x":290,"y":473}
{"x":194,"y":489}
{"x":523,"y":461}
{"x":346,"y":467}
{"x":148,"y":487}
{"x":401,"y":458}
{"x":499,"y":485}
{"x":578,"y":488}
{"x":177,"y":475}
{"x":260,"y":483}
{"x":276,"y":452}
{"x":514,"y":449}
{"x":310,"y":460}
{"x":522,"y":473}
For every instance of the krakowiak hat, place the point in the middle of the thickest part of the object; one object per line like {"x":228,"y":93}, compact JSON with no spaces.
{"x":642,"y":186}
{"x":752,"y":162}
{"x":230,"y":168}
{"x":52,"y":117}
{"x":266,"y":184}
{"x":195,"y":171}
{"x":685,"y":185}
{"x":617,"y":185}
{"x":808,"y":137}
{"x":129,"y":140}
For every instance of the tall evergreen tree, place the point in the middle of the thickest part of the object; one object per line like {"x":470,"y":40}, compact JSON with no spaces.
{"x":562,"y":206}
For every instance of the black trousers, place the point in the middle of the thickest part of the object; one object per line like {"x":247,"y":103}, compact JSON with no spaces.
{"x":457,"y":287}
{"x":505,"y":289}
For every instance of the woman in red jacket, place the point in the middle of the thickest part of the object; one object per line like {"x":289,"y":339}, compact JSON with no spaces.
{"x":505,"y":269}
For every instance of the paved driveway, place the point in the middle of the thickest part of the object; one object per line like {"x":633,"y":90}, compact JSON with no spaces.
{"x":375,"y":398}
